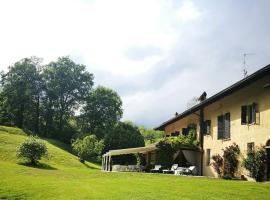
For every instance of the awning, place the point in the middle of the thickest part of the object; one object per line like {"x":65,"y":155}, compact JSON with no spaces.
{"x":146,"y":149}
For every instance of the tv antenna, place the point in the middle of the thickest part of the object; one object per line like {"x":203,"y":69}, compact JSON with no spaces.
{"x":245,"y":72}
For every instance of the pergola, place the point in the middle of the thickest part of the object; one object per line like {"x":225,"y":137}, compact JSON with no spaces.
{"x":106,"y":158}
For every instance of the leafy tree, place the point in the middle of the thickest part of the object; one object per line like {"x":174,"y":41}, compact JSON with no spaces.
{"x":123,"y":135}
{"x":20,"y":94}
{"x":103,"y":109}
{"x":150,"y":135}
{"x":88,"y":148}
{"x":255,"y":163}
{"x":32,"y":149}
{"x":67,"y":85}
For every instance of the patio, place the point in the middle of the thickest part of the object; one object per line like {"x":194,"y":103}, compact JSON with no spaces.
{"x":190,"y":156}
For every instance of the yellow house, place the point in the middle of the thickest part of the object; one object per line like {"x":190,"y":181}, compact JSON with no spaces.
{"x":238,"y":114}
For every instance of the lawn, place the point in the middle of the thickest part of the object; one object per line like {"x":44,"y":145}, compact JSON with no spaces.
{"x":63,"y":177}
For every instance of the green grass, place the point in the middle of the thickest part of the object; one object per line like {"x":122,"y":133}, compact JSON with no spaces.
{"x":63,"y":177}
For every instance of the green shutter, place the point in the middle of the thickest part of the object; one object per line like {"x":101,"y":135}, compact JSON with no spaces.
{"x":254,"y":111}
{"x":244,"y":115}
{"x":227,"y":125}
{"x":220,"y":120}
{"x":207,"y":127}
{"x":250,"y":113}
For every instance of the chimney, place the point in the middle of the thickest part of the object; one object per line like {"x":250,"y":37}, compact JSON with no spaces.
{"x":202,"y":97}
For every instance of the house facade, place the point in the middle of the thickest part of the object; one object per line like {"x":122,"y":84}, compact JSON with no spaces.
{"x":238,"y":114}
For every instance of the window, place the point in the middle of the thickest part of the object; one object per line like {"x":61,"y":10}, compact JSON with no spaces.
{"x":185,"y":131}
{"x":224,"y":126}
{"x":250,"y":146}
{"x":176,"y":133}
{"x":249,"y":114}
{"x":208,"y":157}
{"x":207,"y":127}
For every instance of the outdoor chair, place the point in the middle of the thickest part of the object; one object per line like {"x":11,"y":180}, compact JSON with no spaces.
{"x":156,"y":169}
{"x":170,"y":171}
{"x":192,"y":170}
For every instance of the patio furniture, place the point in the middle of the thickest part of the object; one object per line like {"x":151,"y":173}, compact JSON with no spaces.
{"x":180,"y":171}
{"x":192,"y":170}
{"x":170,"y":171}
{"x":156,"y":169}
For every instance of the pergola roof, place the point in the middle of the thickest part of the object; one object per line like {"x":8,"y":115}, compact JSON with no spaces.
{"x":146,"y":149}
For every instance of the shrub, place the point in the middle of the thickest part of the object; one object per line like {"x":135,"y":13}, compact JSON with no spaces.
{"x":218,"y":164}
{"x":88,"y":148}
{"x":255,"y":163}
{"x":32,"y":149}
{"x":230,"y":158}
{"x":227,"y":165}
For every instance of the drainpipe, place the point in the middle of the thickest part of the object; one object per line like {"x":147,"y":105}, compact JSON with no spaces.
{"x":201,"y":137}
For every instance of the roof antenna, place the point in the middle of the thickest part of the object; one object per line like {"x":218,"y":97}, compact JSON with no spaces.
{"x":245,"y":72}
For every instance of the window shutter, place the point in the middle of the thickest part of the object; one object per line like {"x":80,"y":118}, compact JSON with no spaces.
{"x":227,"y":125}
{"x":220,"y":120}
{"x":244,"y":115}
{"x":207,"y":126}
{"x":208,"y":154}
{"x":250,"y":113}
{"x":255,"y":113}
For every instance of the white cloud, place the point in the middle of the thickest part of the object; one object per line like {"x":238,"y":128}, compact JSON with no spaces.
{"x":188,"y":12}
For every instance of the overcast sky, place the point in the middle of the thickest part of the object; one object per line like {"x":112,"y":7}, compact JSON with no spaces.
{"x":157,"y":54}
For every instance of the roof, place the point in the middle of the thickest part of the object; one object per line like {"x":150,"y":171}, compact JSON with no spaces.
{"x":145,"y":149}
{"x":233,"y":88}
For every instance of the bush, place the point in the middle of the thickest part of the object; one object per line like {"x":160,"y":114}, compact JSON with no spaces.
{"x":88,"y":148}
{"x":255,"y":163}
{"x":218,"y":164}
{"x":32,"y":149}
{"x":227,"y":165}
{"x":230,"y":158}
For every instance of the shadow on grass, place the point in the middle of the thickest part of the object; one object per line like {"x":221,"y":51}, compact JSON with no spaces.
{"x":60,"y":145}
{"x":90,"y":167}
{"x":38,"y":166}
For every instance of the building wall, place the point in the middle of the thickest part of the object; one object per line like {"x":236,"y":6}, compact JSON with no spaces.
{"x":183,"y":123}
{"x":240,"y":134}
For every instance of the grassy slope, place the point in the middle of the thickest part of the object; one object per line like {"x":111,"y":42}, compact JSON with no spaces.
{"x":66,"y":178}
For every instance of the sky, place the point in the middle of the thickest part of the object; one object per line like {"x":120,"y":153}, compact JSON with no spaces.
{"x":156,"y":54}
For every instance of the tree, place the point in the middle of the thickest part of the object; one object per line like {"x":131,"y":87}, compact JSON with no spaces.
{"x":20,"y":94}
{"x":67,"y":85}
{"x":32,"y":149}
{"x":88,"y":148}
{"x":101,"y":111}
{"x":150,"y":135}
{"x":123,"y":135}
